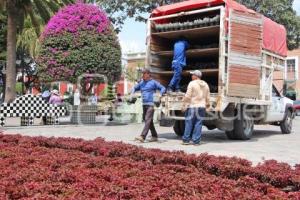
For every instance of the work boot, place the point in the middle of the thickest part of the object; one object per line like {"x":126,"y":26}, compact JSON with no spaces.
{"x":153,"y":139}
{"x":140,"y":139}
{"x":185,"y":143}
{"x":169,"y":90}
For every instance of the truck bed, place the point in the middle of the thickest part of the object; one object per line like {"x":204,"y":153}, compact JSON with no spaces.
{"x":227,"y":49}
{"x":203,"y":53}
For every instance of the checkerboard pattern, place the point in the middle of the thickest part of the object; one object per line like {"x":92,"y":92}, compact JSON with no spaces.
{"x":29,"y":107}
{"x":27,"y":121}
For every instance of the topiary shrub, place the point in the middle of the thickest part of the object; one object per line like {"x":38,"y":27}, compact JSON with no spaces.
{"x":110,"y":92}
{"x":79,"y":40}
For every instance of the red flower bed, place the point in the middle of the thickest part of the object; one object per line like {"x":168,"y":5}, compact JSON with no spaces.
{"x":63,"y":168}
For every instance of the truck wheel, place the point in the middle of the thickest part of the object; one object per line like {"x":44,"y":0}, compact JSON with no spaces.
{"x":211,"y":127}
{"x":243,"y":129}
{"x":178,"y":127}
{"x":230,"y":135}
{"x":287,"y":124}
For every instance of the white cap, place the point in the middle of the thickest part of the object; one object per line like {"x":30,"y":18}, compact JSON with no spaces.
{"x":55,"y":92}
{"x":196,"y":73}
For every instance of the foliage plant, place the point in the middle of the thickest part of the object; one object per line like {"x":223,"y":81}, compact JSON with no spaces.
{"x":280,"y":11}
{"x":3,"y":34}
{"x":66,"y":168}
{"x":110,"y":92}
{"x":16,"y":11}
{"x":79,"y":41}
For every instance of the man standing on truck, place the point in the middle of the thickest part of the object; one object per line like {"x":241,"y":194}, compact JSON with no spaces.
{"x":196,"y":101}
{"x":179,"y":61}
{"x":148,"y":86}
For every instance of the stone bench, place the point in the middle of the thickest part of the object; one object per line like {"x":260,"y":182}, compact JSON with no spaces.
{"x":28,"y":107}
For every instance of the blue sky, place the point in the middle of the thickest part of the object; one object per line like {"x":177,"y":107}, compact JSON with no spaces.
{"x":133,"y":34}
{"x":297,"y":6}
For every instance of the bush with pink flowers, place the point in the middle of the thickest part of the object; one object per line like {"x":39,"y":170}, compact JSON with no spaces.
{"x":78,"y":40}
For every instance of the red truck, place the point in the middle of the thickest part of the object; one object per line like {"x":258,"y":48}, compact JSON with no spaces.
{"x":237,"y":51}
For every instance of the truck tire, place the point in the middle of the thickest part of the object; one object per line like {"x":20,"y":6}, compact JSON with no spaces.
{"x":243,"y":129}
{"x":230,"y":135}
{"x":179,"y":127}
{"x":211,"y":127}
{"x":287,"y":124}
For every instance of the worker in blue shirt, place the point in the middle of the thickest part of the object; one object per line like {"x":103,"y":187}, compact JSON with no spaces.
{"x":148,"y":87}
{"x":179,"y":62}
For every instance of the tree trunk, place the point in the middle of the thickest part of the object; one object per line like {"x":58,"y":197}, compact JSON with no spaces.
{"x":10,"y":88}
{"x":85,"y":93}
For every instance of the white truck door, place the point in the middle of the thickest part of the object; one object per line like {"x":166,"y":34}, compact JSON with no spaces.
{"x":275,"y":111}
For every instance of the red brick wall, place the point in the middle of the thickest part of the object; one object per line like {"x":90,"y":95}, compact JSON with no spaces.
{"x":63,"y":87}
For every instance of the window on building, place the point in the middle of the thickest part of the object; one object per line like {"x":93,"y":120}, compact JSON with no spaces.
{"x":292,"y":68}
{"x":291,"y":64}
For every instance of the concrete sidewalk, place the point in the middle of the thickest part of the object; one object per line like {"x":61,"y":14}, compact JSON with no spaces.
{"x":267,"y":142}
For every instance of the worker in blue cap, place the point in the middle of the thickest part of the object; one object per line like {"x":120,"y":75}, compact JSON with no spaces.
{"x":178,"y":63}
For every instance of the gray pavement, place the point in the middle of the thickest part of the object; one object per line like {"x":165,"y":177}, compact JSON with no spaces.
{"x":267,"y":142}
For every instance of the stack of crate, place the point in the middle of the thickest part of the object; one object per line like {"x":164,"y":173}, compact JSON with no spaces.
{"x":203,"y":34}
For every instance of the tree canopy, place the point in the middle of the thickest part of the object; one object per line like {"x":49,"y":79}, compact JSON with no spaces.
{"x":3,"y":33}
{"x":79,"y":39}
{"x":119,"y":10}
{"x":16,"y":12}
{"x":281,"y":11}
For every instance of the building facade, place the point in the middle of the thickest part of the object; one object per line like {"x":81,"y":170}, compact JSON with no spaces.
{"x":288,"y":81}
{"x":134,"y":62}
{"x":292,"y":82}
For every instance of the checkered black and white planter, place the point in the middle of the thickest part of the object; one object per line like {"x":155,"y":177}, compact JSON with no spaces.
{"x":29,"y":107}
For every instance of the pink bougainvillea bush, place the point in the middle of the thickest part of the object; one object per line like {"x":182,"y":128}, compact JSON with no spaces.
{"x":78,"y":40}
{"x":64,"y":168}
{"x":75,"y":18}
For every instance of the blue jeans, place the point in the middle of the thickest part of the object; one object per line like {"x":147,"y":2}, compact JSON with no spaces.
{"x":177,"y":69}
{"x":193,"y":124}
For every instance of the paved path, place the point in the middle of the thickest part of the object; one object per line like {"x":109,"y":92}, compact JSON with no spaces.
{"x":267,"y":142}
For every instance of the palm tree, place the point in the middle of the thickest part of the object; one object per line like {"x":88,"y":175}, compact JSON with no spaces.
{"x":17,"y":11}
{"x":28,"y":40}
{"x":3,"y":34}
